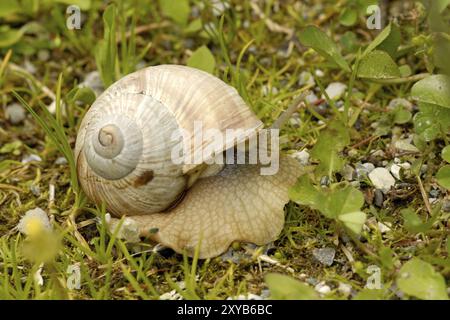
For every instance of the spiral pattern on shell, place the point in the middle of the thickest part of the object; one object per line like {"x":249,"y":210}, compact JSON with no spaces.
{"x":125,"y":141}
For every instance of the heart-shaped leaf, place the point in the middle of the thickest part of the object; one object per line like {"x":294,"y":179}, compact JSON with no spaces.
{"x":353,"y":220}
{"x":315,"y":38}
{"x":177,"y":10}
{"x":417,"y":278}
{"x":202,"y":59}
{"x":286,"y":288}
{"x":434,"y":89}
{"x":446,"y":153}
{"x":378,"y":40}
{"x":443,"y":176}
{"x":378,"y":65}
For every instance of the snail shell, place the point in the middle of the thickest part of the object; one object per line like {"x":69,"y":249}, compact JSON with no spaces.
{"x":125,"y":142}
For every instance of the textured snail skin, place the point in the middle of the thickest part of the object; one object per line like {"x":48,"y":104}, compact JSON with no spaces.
{"x":124,"y":144}
{"x":238,"y":204}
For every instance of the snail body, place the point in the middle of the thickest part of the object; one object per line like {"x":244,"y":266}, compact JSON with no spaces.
{"x":124,"y":154}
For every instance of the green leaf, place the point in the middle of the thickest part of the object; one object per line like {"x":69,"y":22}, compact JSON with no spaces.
{"x":8,"y":8}
{"x":349,"y":42}
{"x":353,"y":220}
{"x":443,"y":176}
{"x":342,"y":204}
{"x":344,"y":201}
{"x":177,"y":10}
{"x":401,"y":115}
{"x":378,"y":40}
{"x":417,"y":278}
{"x":315,"y":38}
{"x":446,"y":153}
{"x":348,"y":17}
{"x":378,"y":65}
{"x":414,"y":224}
{"x":5,"y":164}
{"x":106,"y":50}
{"x":432,"y":121}
{"x":9,"y":36}
{"x":370,"y":294}
{"x":331,"y":141}
{"x":83,"y":94}
{"x":441,"y":5}
{"x":202,"y":59}
{"x":304,"y":193}
{"x":434,"y":89}
{"x":83,"y":4}
{"x":12,"y":147}
{"x":391,"y":43}
{"x":283,"y":287}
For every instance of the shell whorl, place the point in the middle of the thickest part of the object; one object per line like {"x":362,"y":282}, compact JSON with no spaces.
{"x":125,"y":142}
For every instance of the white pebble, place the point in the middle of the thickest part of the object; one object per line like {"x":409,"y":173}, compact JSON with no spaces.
{"x":15,"y":113}
{"x":405,"y":145}
{"x":335,"y":90}
{"x":382,"y":179}
{"x":30,"y":158}
{"x":322,"y":288}
{"x":301,"y":156}
{"x":395,"y":170}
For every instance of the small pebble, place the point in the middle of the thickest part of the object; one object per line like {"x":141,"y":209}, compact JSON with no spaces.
{"x":446,"y":206}
{"x":325,"y":255}
{"x":306,"y":78}
{"x":348,"y":172}
{"x":362,"y":170}
{"x":43,"y":55}
{"x":61,"y":161}
{"x":35,"y":190}
{"x":324,"y":181}
{"x":15,"y":113}
{"x":378,"y":195}
{"x":335,"y":90}
{"x":383,"y":227}
{"x":344,"y":288}
{"x":30,"y":158}
{"x":301,"y":156}
{"x":395,"y":170}
{"x":382,"y":179}
{"x":319,"y":73}
{"x":405,"y":145}
{"x":27,"y":65}
{"x":311,"y":98}
{"x":322,"y":288}
{"x":434,"y":193}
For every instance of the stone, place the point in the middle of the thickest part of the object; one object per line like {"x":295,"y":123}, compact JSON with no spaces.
{"x":382,"y":179}
{"x":15,"y":113}
{"x":378,"y":198}
{"x":395,"y":170}
{"x":306,"y":78}
{"x":335,"y":90}
{"x":405,"y":145}
{"x":362,"y":170}
{"x":322,"y":288}
{"x":31,"y":157}
{"x":325,"y":255}
{"x":301,"y":156}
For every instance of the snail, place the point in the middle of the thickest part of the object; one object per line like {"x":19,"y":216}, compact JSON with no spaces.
{"x":124,"y":157}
